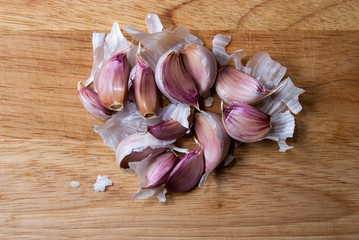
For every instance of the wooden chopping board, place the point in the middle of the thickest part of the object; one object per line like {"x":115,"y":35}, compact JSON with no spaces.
{"x":47,"y":138}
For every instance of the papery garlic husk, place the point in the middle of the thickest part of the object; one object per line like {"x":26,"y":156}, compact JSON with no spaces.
{"x":246,"y":123}
{"x":219,"y":49}
{"x":213,"y":140}
{"x":112,"y":83}
{"x":92,"y":103}
{"x":201,"y":65}
{"x":173,"y":80}
{"x":154,"y":170}
{"x":145,"y":89}
{"x":167,"y":130}
{"x":120,"y":125}
{"x":186,"y":173}
{"x":138,"y":146}
{"x":182,"y":113}
{"x":233,"y":85}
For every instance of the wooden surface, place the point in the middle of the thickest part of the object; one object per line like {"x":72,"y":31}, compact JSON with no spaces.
{"x":47,"y":138}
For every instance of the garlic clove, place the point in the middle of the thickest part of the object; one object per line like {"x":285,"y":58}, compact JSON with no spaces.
{"x":178,"y":118}
{"x":200,"y":63}
{"x":138,"y":146}
{"x":92,"y":103}
{"x":167,"y":130}
{"x":213,"y":140}
{"x":145,"y":89}
{"x":112,"y":83}
{"x":154,"y":170}
{"x":246,"y":123}
{"x":159,"y":169}
{"x":156,"y":43}
{"x":173,"y":80}
{"x":186,"y":173}
{"x":233,"y":85}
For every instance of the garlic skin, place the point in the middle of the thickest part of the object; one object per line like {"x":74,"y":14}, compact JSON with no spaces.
{"x":186,"y":173}
{"x":138,"y":146}
{"x":173,"y":80}
{"x":180,"y":112}
{"x":120,"y":125}
{"x":112,"y":83}
{"x":145,"y":89}
{"x":233,"y":85}
{"x":213,"y":140}
{"x":167,"y":130}
{"x":219,"y":44}
{"x":246,"y":123}
{"x":92,"y":103}
{"x":200,"y":63}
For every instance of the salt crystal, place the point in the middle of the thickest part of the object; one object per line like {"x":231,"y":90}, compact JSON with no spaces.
{"x":101,"y":183}
{"x":75,"y":184}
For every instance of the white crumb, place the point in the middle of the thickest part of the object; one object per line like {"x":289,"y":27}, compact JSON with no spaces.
{"x":208,"y":102}
{"x":94,"y":157}
{"x":101,"y":183}
{"x":75,"y":184}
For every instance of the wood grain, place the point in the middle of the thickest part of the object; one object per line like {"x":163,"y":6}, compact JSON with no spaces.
{"x":47,"y":138}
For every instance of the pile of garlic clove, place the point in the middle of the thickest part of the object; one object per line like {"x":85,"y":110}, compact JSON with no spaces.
{"x":127,"y":83}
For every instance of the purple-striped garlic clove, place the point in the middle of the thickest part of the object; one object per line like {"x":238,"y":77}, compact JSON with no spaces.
{"x":186,"y":173}
{"x":233,"y":85}
{"x":213,"y":140}
{"x":246,"y":123}
{"x":145,"y":89}
{"x":172,"y":129}
{"x":167,"y":130}
{"x":112,"y":83}
{"x":173,"y":80}
{"x":159,"y":169}
{"x":201,"y":64}
{"x":92,"y":103}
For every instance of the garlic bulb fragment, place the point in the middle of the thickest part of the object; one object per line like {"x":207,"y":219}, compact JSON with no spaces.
{"x":213,"y":140}
{"x":167,"y":130}
{"x":233,"y":85}
{"x":201,"y":66}
{"x":138,"y":146}
{"x":246,"y":123}
{"x":173,"y":80}
{"x":145,"y":89}
{"x":186,"y":173}
{"x":112,"y":82}
{"x":92,"y":103}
